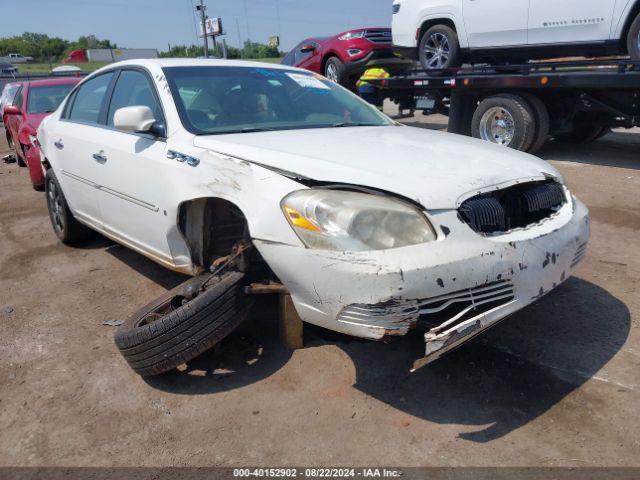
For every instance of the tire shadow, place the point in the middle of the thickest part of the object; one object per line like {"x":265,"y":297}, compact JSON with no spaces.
{"x":499,"y":382}
{"x":616,"y":149}
{"x":509,"y":376}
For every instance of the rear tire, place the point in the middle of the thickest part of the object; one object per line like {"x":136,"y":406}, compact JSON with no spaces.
{"x":439,"y":48}
{"x":68,"y":230}
{"x":334,"y":70}
{"x":153,"y":343}
{"x":541,"y":114}
{"x":633,"y":39}
{"x":507,"y":120}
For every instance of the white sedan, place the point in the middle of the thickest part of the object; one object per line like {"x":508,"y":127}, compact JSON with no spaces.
{"x":372,"y":227}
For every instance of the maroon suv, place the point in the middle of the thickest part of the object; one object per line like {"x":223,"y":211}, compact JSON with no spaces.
{"x":344,"y":57}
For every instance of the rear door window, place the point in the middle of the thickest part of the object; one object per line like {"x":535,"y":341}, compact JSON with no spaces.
{"x":89,"y":99}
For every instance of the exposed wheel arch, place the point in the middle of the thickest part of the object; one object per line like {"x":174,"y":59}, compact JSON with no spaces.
{"x":633,"y":13}
{"x":211,"y":226}
{"x":436,"y":21}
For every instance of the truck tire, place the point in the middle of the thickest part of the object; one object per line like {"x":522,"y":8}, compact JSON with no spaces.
{"x":68,"y":230}
{"x":541,"y":114}
{"x":439,"y":48}
{"x":633,"y":39}
{"x":334,"y":70}
{"x":505,"y":119}
{"x":182,"y":324}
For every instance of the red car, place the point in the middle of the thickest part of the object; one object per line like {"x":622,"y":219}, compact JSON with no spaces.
{"x":344,"y":57}
{"x":32,"y":102}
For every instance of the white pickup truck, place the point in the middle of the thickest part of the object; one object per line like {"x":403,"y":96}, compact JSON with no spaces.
{"x":445,"y":33}
{"x":18,"y":58}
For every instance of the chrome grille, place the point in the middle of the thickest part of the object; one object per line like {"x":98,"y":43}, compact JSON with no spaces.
{"x":452,"y":308}
{"x":581,"y":252}
{"x":378,"y":36}
{"x":445,"y":311}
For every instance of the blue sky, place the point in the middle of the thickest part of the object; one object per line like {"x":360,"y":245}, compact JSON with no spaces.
{"x":155,"y":23}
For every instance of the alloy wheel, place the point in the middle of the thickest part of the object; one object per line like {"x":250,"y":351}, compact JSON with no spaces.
{"x":498,"y":126}
{"x":437,"y":50}
{"x":56,"y":207}
{"x":332,"y":73}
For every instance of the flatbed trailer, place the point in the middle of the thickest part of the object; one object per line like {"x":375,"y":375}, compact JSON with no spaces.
{"x":521,"y":106}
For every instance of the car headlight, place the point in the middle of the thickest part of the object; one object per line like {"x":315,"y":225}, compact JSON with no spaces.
{"x":350,"y":221}
{"x":351,"y":35}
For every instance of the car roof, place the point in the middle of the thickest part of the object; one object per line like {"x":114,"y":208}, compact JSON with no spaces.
{"x":47,"y":82}
{"x":196,"y":62}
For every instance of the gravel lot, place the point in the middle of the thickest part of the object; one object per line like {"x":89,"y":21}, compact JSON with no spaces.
{"x":556,"y":384}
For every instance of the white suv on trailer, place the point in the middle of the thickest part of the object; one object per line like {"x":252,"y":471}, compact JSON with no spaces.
{"x":374,"y":228}
{"x":444,"y":33}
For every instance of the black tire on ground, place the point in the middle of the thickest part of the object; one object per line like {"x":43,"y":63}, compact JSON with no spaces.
{"x":582,"y":133}
{"x":513,"y":108}
{"x":541,"y":114}
{"x":64,"y":224}
{"x":633,"y":39}
{"x":334,"y":70}
{"x":16,"y":146}
{"x":154,"y":343}
{"x":436,"y":38}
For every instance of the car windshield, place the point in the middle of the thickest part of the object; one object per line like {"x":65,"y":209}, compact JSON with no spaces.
{"x":46,"y":99}
{"x":219,"y":100}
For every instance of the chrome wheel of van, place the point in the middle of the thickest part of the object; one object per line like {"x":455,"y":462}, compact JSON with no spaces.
{"x":437,"y":50}
{"x":497,"y":126}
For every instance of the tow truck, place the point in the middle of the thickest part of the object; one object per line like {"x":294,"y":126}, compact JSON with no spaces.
{"x":522,"y":106}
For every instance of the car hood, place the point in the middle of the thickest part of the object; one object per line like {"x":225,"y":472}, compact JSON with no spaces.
{"x":435,"y":169}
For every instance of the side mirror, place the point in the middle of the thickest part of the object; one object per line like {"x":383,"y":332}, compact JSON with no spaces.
{"x":136,"y":119}
{"x":308,"y":48}
{"x":11,"y":110}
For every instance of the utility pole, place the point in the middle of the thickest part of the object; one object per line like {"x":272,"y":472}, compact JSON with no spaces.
{"x":203,"y":17}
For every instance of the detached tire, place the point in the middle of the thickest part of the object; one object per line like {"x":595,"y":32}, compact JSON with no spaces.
{"x":507,"y":120}
{"x":176,"y":328}
{"x":633,"y":40}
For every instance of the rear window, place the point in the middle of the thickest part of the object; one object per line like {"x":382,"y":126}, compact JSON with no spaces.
{"x":46,"y":99}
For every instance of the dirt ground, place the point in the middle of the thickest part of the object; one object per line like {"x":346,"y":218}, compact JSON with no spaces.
{"x":558,"y":384}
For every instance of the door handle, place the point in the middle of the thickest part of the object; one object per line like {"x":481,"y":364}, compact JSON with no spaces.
{"x":59,"y":145}
{"x":100,"y":157}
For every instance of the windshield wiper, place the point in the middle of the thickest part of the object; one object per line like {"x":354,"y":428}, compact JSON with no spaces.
{"x":253,"y":129}
{"x":354,"y":124}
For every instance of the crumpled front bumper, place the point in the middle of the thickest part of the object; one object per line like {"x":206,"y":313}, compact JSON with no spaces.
{"x":458,"y":286}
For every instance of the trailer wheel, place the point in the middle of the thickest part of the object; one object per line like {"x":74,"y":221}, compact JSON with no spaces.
{"x":506,"y":120}
{"x":541,"y":114}
{"x":182,"y":324}
{"x":633,"y":40}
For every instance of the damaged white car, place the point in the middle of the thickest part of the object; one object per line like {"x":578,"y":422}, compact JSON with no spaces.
{"x":284,"y":179}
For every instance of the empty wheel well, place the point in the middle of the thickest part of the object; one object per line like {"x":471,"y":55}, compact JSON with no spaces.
{"x":211,"y":227}
{"x":635,"y":11}
{"x":438,"y":21}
